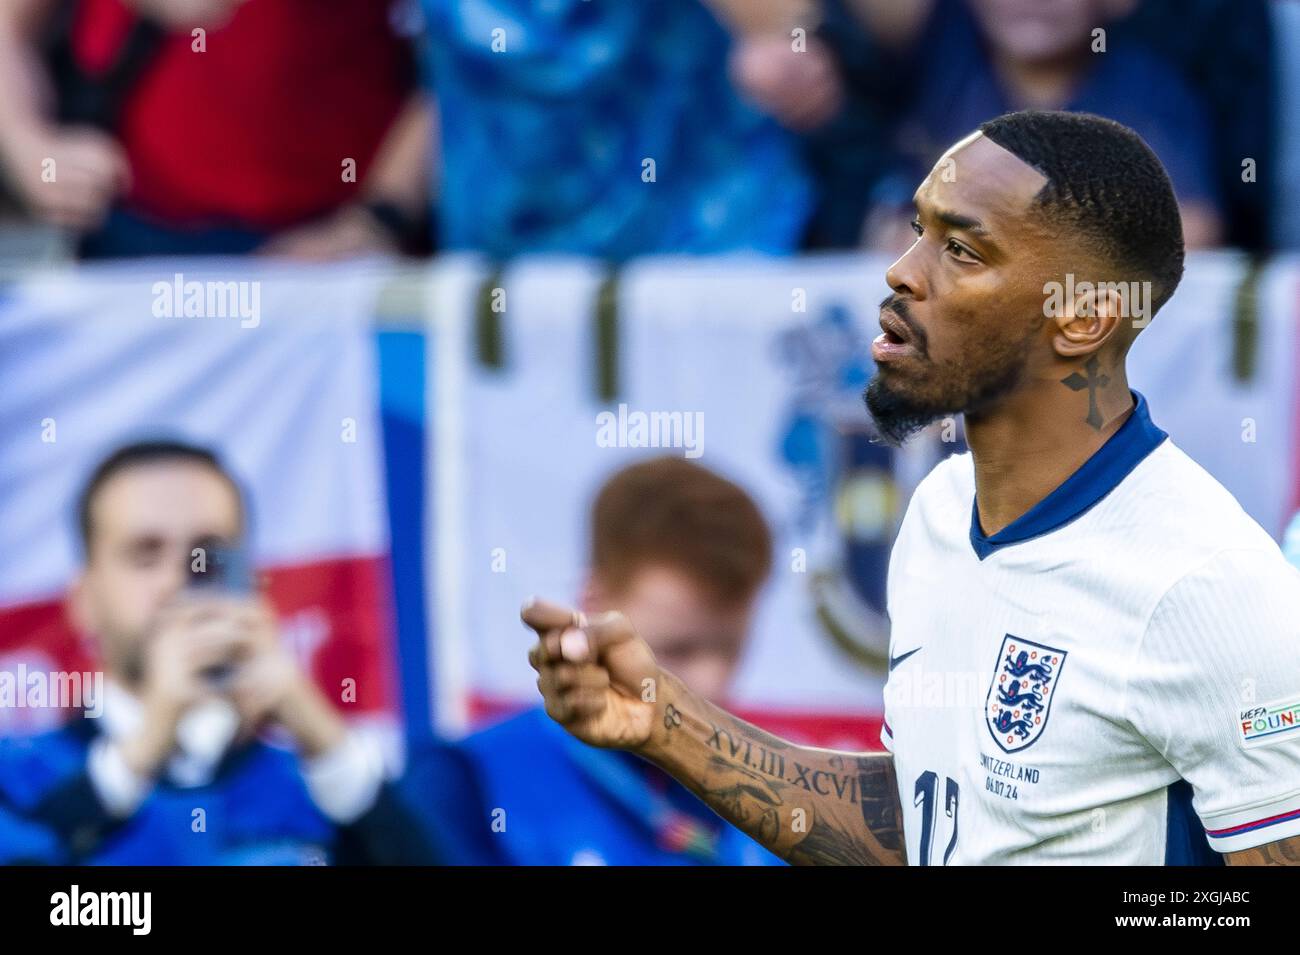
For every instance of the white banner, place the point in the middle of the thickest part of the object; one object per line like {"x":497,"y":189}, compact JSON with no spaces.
{"x":762,"y":363}
{"x":272,"y":366}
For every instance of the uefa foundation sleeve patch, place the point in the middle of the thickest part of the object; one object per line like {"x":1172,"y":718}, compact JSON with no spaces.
{"x":1271,"y":723}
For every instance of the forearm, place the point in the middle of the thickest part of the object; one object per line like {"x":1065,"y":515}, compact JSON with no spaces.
{"x":25,"y":107}
{"x":400,"y":173}
{"x":1286,"y":852}
{"x":310,"y":718}
{"x":810,"y":806}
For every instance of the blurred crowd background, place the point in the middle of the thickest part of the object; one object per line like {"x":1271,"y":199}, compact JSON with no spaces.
{"x":319,"y":129}
{"x":314,"y":131}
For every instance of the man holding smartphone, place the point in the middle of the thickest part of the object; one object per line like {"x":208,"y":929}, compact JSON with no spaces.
{"x":174,"y":771}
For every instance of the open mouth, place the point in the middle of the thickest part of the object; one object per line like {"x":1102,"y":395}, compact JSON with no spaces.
{"x":895,"y":329}
{"x":895,"y":341}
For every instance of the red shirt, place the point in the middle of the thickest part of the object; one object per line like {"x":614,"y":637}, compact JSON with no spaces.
{"x":254,"y":131}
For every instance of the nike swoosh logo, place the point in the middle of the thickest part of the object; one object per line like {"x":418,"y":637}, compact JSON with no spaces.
{"x":895,"y":661}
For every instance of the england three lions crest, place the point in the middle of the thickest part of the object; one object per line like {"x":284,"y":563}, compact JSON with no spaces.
{"x":1020,"y":696}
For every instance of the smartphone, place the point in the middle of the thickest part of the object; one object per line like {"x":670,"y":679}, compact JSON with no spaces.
{"x":221,"y":568}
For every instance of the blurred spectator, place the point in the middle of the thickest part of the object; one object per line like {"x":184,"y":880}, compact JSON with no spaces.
{"x":930,"y":71}
{"x":821,"y":83}
{"x":172,"y":769}
{"x":214,"y":126}
{"x":1226,"y":50}
{"x":608,"y":129}
{"x":683,"y":553}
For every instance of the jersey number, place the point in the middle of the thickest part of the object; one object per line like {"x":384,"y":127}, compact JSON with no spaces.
{"x":927,"y":791}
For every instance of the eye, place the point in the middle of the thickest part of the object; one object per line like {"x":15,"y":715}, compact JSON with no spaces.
{"x":145,"y":559}
{"x":960,"y":252}
{"x":916,"y":227}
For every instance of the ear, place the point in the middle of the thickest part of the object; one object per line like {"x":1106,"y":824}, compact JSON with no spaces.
{"x":1088,"y":320}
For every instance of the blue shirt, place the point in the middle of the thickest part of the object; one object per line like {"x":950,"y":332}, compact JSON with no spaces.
{"x":544,"y":143}
{"x":562,"y":802}
{"x":255,"y":811}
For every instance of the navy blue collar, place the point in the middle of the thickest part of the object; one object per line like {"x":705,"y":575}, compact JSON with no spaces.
{"x":1096,"y":478}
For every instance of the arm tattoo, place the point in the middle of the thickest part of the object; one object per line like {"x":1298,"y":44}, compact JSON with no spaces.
{"x":810,"y":806}
{"x":828,"y":844}
{"x":1284,"y":852}
{"x":749,"y":802}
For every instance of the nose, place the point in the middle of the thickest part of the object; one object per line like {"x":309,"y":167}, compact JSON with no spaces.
{"x":173,"y":576}
{"x":906,"y":276}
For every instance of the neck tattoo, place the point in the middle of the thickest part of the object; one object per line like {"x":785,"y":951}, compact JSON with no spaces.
{"x":1093,"y":381}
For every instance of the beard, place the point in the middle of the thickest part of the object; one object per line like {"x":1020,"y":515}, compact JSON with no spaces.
{"x":903,"y":402}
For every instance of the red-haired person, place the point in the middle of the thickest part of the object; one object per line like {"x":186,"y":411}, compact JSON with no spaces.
{"x":683,"y":552}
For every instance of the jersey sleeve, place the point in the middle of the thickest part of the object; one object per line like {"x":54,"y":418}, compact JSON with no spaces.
{"x":1215,"y":688}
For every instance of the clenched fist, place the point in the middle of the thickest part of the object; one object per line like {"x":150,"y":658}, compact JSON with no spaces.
{"x":598,"y":678}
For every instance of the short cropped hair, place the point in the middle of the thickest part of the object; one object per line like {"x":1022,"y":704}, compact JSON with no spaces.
{"x":145,"y":452}
{"x":1105,"y":183}
{"x":670,"y":512}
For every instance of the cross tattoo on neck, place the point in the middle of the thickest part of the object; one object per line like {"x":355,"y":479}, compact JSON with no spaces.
{"x":1077,"y":382}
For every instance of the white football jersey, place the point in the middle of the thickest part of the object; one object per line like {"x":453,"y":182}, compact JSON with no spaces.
{"x":1114,"y":678}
